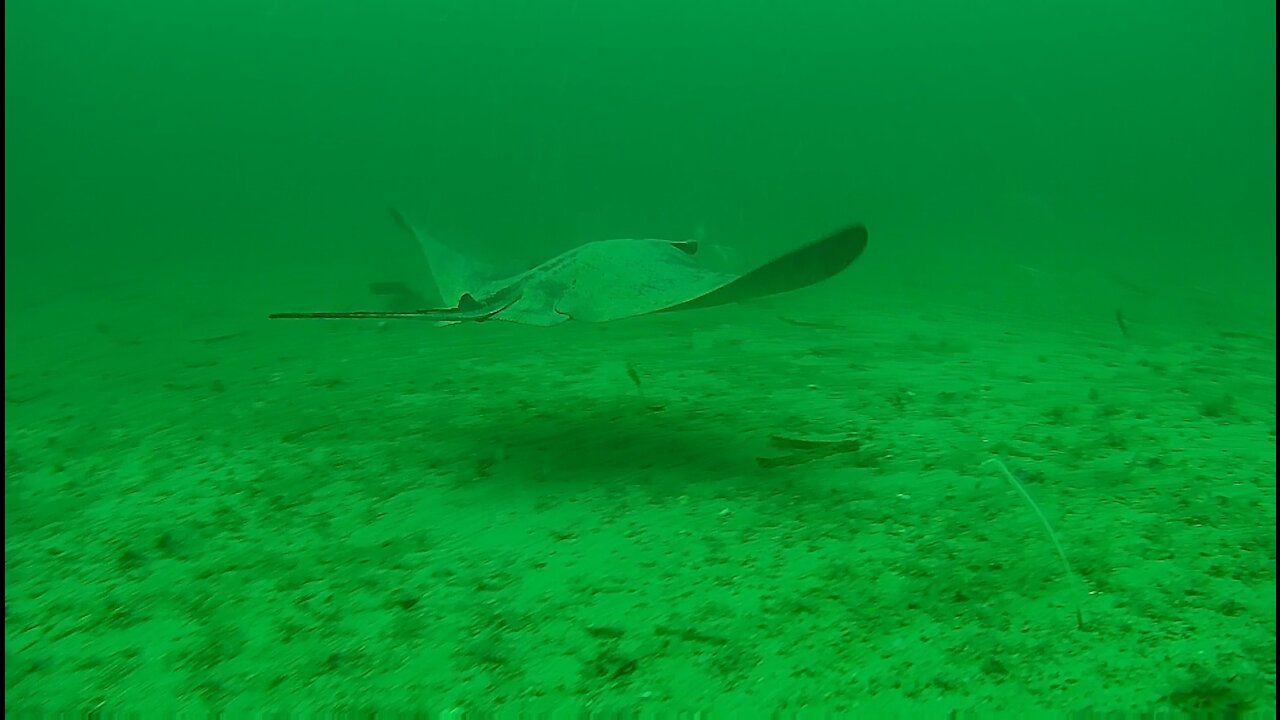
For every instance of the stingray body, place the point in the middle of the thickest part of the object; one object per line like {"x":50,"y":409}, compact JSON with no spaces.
{"x":610,"y":280}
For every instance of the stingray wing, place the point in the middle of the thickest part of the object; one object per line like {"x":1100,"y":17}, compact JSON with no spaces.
{"x":618,"y":279}
{"x":808,"y":265}
{"x":452,"y":273}
{"x":615,"y":279}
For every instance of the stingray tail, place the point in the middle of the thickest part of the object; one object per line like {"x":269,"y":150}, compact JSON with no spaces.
{"x":468,"y":310}
{"x":426,"y":316}
{"x":440,"y":317}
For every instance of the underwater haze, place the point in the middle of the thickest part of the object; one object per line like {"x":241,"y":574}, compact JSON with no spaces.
{"x":782,"y":504}
{"x":260,"y":139}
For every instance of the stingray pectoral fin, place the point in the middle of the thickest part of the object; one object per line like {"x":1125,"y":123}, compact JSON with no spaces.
{"x":800,"y":268}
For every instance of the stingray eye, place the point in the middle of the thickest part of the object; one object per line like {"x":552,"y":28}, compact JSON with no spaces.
{"x":688,"y":247}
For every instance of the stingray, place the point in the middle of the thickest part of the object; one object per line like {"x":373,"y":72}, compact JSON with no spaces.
{"x":610,"y":280}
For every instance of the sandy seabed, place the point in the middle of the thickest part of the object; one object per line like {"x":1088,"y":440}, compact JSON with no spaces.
{"x":737,"y":511}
